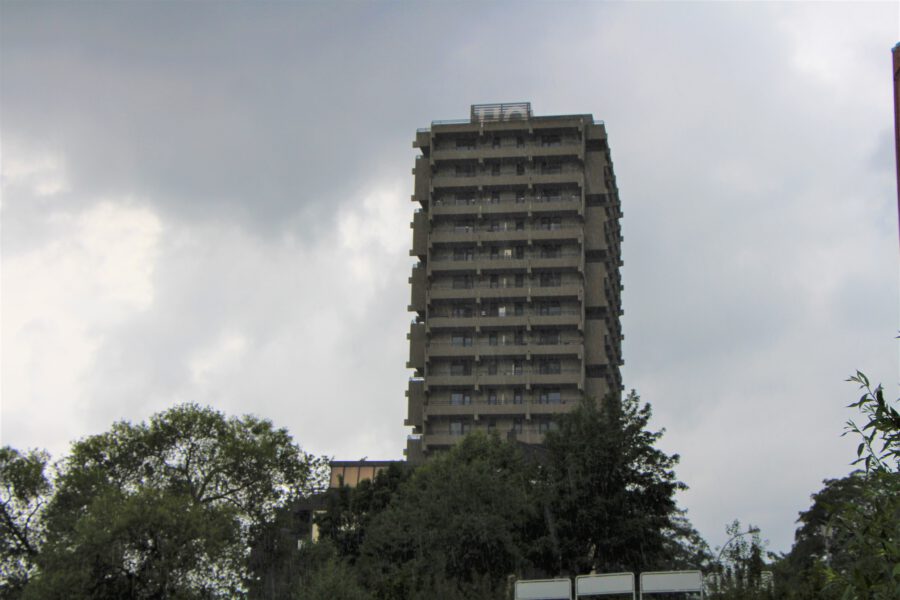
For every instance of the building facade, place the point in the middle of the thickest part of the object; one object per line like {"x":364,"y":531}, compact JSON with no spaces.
{"x":517,"y":289}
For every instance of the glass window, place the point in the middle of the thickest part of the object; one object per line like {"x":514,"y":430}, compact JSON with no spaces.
{"x":550,"y":396}
{"x":518,"y":396}
{"x":460,"y":397}
{"x":551,"y":140}
{"x":549,"y":366}
{"x":520,"y":168}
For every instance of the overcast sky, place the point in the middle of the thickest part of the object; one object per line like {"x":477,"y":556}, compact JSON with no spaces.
{"x":209,"y":202}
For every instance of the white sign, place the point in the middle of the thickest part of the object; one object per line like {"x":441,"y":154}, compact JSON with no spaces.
{"x":544,"y":589}
{"x":612,"y":583}
{"x":501,"y":112}
{"x":671,"y":581}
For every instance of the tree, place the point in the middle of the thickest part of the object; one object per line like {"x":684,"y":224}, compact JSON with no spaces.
{"x":609,"y":494}
{"x":24,"y":490}
{"x":455,"y":529}
{"x":350,"y":510}
{"x":738,"y":567}
{"x":870,"y":524}
{"x":167,"y":509}
{"x":819,"y":546}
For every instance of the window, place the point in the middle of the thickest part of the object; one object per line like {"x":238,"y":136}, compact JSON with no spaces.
{"x":461,"y":339}
{"x":518,"y":396}
{"x":545,"y":426}
{"x":520,"y":168}
{"x":520,"y":195}
{"x":550,"y":396}
{"x":551,"y":140}
{"x":495,"y":279}
{"x":520,"y":280}
{"x":495,"y":143}
{"x":517,"y":426}
{"x":551,"y":279}
{"x":462,"y":310}
{"x":492,"y":397}
{"x":550,"y":251}
{"x":519,"y":309}
{"x":519,"y":337}
{"x":551,"y":223}
{"x":492,"y":426}
{"x":460,"y":397}
{"x":492,"y":367}
{"x":465,"y":198}
{"x":495,"y":196}
{"x":549,"y":309}
{"x":459,"y":427}
{"x":548,"y":338}
{"x":549,"y":366}
{"x":465,"y":143}
{"x":520,"y":251}
{"x":520,"y":225}
{"x":495,"y":169}
{"x":551,"y":167}
{"x":463,"y":226}
{"x":507,"y":253}
{"x":520,"y":141}
{"x":517,"y":367}
{"x":463,"y":253}
{"x":465,"y":170}
{"x":460,"y":367}
{"x":492,"y":338}
{"x":462,"y":282}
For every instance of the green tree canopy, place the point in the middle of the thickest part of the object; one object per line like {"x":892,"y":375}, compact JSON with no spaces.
{"x":24,"y":488}
{"x":456,"y":528}
{"x":609,"y":493}
{"x":166,"y":509}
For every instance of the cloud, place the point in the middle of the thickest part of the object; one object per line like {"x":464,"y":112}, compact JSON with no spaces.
{"x":210,"y":203}
{"x":59,"y":302}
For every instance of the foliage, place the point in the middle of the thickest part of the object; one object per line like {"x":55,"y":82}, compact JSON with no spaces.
{"x":883,"y":426}
{"x":608,"y":492}
{"x":167,"y":508}
{"x":456,"y":528}
{"x":738,"y":567}
{"x":349,"y":511}
{"x":24,"y":488}
{"x":870,"y":524}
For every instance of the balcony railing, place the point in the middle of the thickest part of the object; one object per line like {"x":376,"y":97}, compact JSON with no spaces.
{"x":438,"y":202}
{"x":503,"y":371}
{"x":439,"y":314}
{"x":487,"y":256}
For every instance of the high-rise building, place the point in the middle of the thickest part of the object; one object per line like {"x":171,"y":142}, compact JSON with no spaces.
{"x":516,"y":293}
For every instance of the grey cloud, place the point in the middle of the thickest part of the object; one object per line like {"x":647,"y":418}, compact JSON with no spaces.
{"x":760,"y":237}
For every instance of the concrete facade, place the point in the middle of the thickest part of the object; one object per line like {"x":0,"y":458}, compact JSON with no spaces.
{"x":517,"y":291}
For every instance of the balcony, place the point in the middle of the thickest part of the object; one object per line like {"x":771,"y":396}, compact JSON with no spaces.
{"x":475,"y":235}
{"x":507,"y":348}
{"x":564,"y":317}
{"x":543,"y":204}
